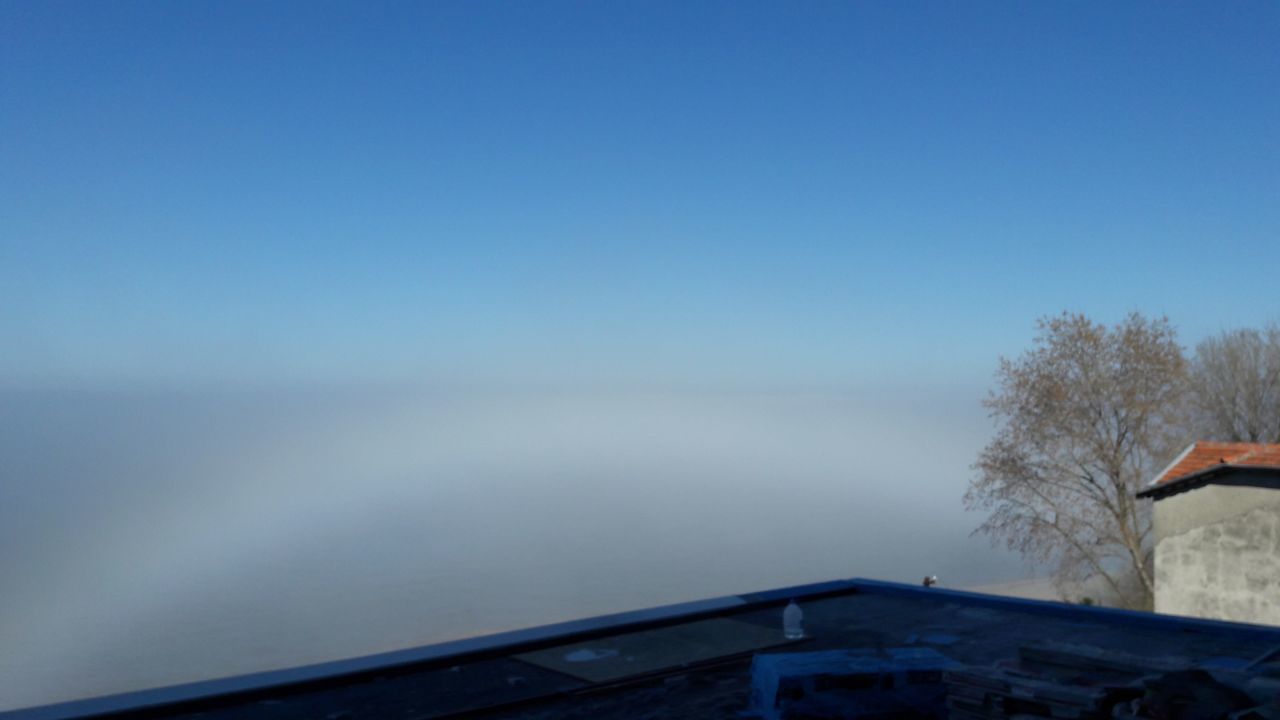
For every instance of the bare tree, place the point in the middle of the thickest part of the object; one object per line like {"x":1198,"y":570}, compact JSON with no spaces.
{"x":1083,"y":419}
{"x":1235,"y":383}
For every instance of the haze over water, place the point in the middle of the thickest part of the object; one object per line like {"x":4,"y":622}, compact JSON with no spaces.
{"x":148,"y":538}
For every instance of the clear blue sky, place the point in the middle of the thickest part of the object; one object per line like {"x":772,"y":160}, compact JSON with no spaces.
{"x":783,"y":192}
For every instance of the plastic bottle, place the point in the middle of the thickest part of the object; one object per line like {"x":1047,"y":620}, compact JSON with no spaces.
{"x":793,"y":621}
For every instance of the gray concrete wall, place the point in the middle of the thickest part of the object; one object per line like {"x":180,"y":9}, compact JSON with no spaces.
{"x":1217,"y":553}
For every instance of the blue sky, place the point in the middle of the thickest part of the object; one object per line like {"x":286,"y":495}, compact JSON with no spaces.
{"x":836,"y":193}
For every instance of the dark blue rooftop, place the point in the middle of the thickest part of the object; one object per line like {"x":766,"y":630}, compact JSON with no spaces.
{"x":683,"y":664}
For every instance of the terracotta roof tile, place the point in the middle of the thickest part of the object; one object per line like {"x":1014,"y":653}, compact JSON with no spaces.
{"x":1203,"y":455}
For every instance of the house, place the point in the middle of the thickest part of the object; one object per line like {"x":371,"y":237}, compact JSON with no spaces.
{"x":1216,"y":525}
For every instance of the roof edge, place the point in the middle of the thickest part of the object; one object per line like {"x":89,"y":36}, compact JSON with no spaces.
{"x":1181,"y":456}
{"x":193,"y":696}
{"x":1200,"y":477}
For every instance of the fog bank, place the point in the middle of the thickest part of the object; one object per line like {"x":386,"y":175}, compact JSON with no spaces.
{"x":149,"y":538}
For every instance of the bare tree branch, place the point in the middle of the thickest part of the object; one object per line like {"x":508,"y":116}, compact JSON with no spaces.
{"x":1083,"y":418}
{"x":1235,"y":386}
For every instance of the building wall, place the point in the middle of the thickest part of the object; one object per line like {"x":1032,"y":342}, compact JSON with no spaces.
{"x":1217,"y":553}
